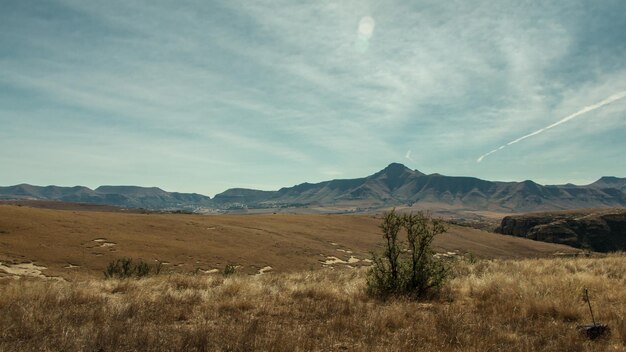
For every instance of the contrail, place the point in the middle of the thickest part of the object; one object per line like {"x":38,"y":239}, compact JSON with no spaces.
{"x":586,"y":109}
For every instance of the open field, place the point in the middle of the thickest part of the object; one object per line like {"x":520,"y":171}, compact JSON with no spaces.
{"x":74,"y":244}
{"x":490,"y":305}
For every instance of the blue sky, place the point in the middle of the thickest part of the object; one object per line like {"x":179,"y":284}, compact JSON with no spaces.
{"x":201,"y":96}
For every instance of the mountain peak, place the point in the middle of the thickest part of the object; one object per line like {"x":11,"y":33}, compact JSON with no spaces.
{"x":394,"y":175}
{"x":396,"y":166}
{"x":396,"y":169}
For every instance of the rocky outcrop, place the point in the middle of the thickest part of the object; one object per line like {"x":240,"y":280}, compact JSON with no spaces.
{"x":599,"y":230}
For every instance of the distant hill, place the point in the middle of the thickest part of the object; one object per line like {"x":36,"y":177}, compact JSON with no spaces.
{"x":394,"y":186}
{"x":608,"y":182}
{"x":122,"y":196}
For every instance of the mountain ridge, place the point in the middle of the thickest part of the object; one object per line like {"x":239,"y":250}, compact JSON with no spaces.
{"x":395,"y":185}
{"x":123,"y":196}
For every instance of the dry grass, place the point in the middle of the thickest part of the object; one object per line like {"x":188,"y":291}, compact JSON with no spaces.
{"x":57,"y":238}
{"x":499,"y":305}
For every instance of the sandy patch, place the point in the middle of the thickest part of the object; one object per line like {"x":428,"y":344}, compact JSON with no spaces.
{"x":333,"y":260}
{"x":446,"y":255}
{"x":353,"y":260}
{"x":264,"y":270}
{"x":344,"y":250}
{"x":103,"y":242}
{"x":24,"y":269}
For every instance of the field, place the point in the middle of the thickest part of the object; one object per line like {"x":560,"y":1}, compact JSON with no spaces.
{"x":76,"y":244}
{"x":491,"y":305}
{"x":299,"y":286}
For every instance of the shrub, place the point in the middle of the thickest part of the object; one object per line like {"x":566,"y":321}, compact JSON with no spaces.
{"x":229,"y":270}
{"x":125,"y":268}
{"x":408,"y":268}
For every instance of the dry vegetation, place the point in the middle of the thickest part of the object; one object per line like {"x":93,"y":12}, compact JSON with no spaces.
{"x":490,"y":305}
{"x":80,"y":244}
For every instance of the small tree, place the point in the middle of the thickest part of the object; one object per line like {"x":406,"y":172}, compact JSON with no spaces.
{"x":409,"y":269}
{"x":384,"y":277}
{"x":427,"y":272}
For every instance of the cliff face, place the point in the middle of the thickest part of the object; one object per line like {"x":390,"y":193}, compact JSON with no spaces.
{"x":599,"y":230}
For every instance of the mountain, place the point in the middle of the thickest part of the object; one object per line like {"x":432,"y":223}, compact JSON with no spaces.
{"x":394,"y":186}
{"x":397,"y":185}
{"x":123,"y":196}
{"x":377,"y":189}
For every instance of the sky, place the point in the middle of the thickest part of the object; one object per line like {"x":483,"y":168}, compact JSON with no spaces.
{"x":202,"y":96}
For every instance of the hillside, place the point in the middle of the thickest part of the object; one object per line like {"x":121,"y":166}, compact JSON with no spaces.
{"x":81,"y":243}
{"x":600,"y":230}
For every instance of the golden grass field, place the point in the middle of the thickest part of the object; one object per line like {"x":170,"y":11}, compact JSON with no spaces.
{"x":73,"y":244}
{"x":516,"y":297}
{"x":490,"y":305}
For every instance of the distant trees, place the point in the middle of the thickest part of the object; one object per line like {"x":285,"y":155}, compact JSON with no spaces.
{"x":408,"y":268}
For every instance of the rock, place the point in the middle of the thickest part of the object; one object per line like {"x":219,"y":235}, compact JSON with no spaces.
{"x":601,"y":230}
{"x":593,"y":331}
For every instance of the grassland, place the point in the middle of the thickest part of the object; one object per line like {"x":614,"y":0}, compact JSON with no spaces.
{"x":490,"y":305}
{"x":516,"y":296}
{"x":80,"y":244}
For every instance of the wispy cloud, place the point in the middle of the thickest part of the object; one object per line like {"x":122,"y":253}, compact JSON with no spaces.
{"x":286,"y":88}
{"x":408,"y":155}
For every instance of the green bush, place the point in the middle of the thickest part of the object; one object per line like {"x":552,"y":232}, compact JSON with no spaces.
{"x":408,"y":268}
{"x":126,"y":268}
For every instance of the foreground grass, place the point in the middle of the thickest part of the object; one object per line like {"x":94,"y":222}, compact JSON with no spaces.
{"x":524,"y":305}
